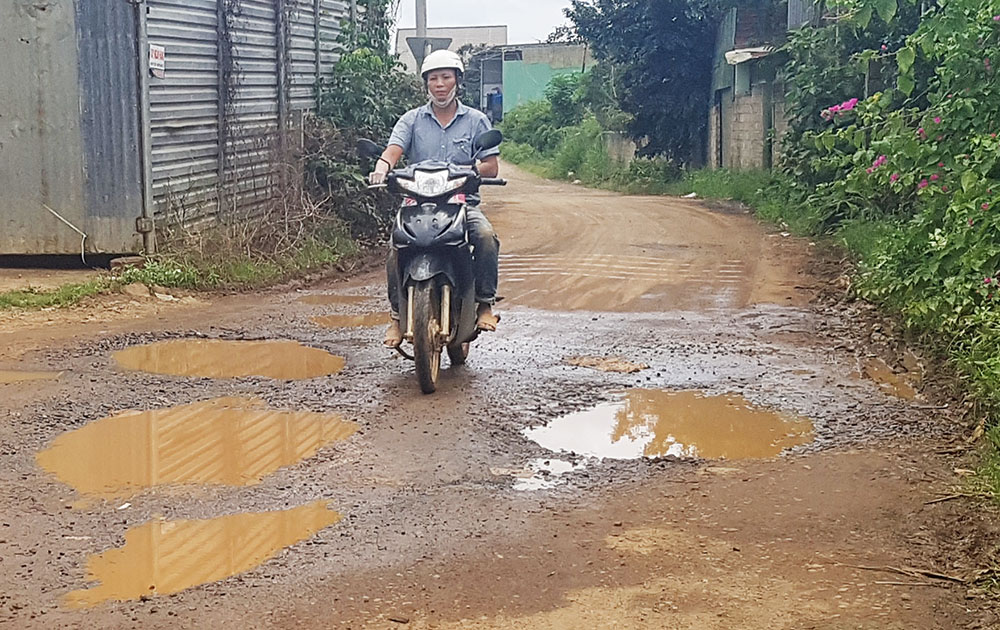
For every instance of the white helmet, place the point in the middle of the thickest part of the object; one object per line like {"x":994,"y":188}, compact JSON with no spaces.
{"x":441,"y":60}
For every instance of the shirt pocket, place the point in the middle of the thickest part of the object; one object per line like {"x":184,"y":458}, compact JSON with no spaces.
{"x":461,"y":150}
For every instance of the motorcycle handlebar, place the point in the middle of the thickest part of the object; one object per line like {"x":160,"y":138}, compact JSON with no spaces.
{"x":493,"y":181}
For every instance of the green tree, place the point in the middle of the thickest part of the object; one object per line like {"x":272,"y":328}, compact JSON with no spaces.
{"x":663,"y":51}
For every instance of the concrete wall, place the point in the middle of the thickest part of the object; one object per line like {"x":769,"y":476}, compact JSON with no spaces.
{"x":525,"y":80}
{"x":460,"y":36}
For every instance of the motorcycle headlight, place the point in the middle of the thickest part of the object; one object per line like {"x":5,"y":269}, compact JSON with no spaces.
{"x":434,"y":184}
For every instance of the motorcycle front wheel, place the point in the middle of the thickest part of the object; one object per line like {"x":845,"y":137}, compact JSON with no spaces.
{"x":426,"y":335}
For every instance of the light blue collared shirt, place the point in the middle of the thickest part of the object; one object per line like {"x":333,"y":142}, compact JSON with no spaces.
{"x":421,"y":136}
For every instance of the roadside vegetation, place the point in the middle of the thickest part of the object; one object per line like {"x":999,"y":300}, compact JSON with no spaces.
{"x":892,"y":151}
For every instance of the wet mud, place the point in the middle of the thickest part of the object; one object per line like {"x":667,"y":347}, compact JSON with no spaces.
{"x":225,"y":441}
{"x":903,"y":384}
{"x":281,"y":360}
{"x":165,"y":557}
{"x":453,"y":516}
{"x":326,"y":299}
{"x":650,"y":423}
{"x":9,"y":377}
{"x":368,"y":320}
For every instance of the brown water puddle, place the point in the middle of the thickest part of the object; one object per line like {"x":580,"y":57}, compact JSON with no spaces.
{"x":331,"y":300}
{"x":901,"y":385}
{"x":165,"y":557}
{"x":215,"y":358}
{"x":230,"y":441}
{"x":368,"y":320}
{"x":9,"y":377}
{"x":651,"y":423}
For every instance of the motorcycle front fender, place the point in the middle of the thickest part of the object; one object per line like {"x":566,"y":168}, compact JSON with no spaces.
{"x":423,"y":266}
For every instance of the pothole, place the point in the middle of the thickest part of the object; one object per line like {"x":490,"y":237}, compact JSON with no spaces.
{"x":228,"y":441}
{"x":901,"y":384}
{"x":326,"y":299}
{"x":367,"y":320}
{"x":165,"y":557}
{"x":216,"y":358}
{"x":688,"y":424}
{"x":10,"y":377}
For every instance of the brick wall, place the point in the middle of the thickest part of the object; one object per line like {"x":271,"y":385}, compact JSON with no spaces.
{"x":748,"y":139}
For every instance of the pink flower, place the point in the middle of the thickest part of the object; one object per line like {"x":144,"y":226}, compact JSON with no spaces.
{"x":985,"y":206}
{"x":944,"y":189}
{"x":894,"y":178}
{"x":988,"y":281}
{"x":971,"y":222}
{"x":937,"y":120}
{"x":996,"y":18}
{"x":934,"y":177}
{"x":884,"y":47}
{"x":923,"y":184}
{"x":940,"y":164}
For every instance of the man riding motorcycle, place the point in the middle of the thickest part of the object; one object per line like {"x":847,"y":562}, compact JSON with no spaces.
{"x":444,"y":129}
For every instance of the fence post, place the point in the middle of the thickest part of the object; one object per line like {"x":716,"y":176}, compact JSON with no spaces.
{"x":145,"y":224}
{"x":317,"y":8}
{"x":282,"y":46}
{"x":222,"y":34}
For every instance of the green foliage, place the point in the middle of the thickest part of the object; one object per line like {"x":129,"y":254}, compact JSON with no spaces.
{"x":66,"y":295}
{"x":562,"y":93}
{"x":907,"y":175}
{"x":532,"y":124}
{"x":363,"y":98}
{"x":663,"y":51}
{"x":367,"y":93}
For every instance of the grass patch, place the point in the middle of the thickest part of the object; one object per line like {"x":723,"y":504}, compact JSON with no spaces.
{"x":66,"y":295}
{"x":194,"y":271}
{"x":199,"y":271}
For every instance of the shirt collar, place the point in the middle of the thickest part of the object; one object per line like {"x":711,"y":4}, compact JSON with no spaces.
{"x":461,"y":111}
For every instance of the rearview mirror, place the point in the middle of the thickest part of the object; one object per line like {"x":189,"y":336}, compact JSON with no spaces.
{"x":488,"y":140}
{"x":367,"y":148}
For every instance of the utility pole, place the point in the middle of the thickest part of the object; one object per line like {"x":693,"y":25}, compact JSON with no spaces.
{"x":422,"y":30}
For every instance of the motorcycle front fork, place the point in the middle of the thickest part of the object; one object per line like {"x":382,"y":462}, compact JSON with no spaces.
{"x":445,"y":324}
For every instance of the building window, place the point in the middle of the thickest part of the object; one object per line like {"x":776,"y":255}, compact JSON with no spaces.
{"x":513,"y":55}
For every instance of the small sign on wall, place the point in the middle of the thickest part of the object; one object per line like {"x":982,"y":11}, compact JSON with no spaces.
{"x":157,"y":61}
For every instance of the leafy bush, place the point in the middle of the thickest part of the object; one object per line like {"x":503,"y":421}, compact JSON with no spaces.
{"x":532,"y":124}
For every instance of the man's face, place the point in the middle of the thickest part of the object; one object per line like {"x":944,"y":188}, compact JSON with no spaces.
{"x":440,"y":83}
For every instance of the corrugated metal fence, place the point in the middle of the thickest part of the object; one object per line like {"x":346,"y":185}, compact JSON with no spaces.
{"x":236,"y":73}
{"x":91,"y":143}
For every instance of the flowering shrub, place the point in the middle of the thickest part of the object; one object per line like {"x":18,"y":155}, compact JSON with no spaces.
{"x":921,"y":154}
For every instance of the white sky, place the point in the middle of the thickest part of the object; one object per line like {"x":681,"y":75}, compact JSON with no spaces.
{"x":527,"y":20}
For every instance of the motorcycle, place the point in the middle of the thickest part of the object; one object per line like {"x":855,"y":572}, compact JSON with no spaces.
{"x":434,"y":256}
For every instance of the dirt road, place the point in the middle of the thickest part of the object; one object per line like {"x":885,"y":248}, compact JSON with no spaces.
{"x":747,"y":463}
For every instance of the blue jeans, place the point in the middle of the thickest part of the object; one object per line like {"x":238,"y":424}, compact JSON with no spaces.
{"x":486,"y":261}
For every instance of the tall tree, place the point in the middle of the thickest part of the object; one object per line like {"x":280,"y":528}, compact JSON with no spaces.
{"x":664,"y":50}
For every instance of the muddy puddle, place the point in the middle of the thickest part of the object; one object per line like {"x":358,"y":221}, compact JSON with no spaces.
{"x":651,"y":423}
{"x":324,"y":299}
{"x":215,"y":358}
{"x":11,"y":377}
{"x":230,"y":441}
{"x":164,"y":557}
{"x":367,"y":320}
{"x":901,"y":384}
